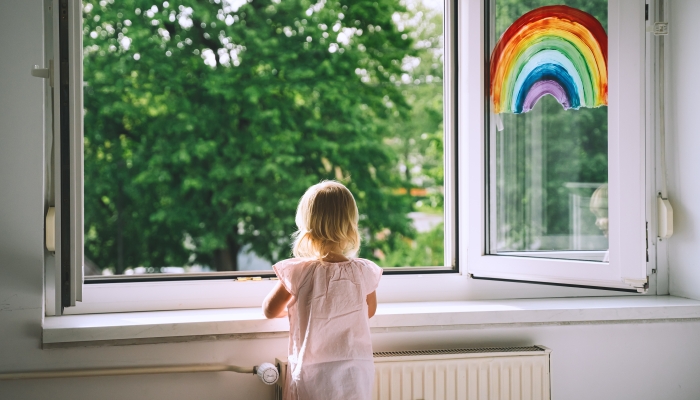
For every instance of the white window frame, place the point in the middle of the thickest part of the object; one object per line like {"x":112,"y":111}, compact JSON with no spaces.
{"x":227,"y":291}
{"x":64,"y":270}
{"x":464,"y":230}
{"x":627,"y":269}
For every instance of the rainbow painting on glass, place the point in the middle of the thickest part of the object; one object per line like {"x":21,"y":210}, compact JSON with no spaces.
{"x":553,"y":50}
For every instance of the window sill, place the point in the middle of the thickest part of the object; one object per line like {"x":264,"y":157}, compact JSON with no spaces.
{"x":248,"y":323}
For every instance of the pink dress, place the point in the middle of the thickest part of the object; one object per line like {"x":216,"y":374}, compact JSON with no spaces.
{"x":330,"y":349}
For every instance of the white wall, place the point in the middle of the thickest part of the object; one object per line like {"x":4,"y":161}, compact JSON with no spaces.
{"x":597,"y":361}
{"x":683,"y":148}
{"x":607,"y":362}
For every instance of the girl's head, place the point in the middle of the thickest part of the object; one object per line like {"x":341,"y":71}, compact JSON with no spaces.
{"x":326,"y":218}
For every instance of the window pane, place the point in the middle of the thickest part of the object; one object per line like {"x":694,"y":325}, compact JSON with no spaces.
{"x":205,"y":121}
{"x":549,"y":129}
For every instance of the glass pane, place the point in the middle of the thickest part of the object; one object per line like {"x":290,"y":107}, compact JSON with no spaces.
{"x":205,"y":122}
{"x":549,"y":129}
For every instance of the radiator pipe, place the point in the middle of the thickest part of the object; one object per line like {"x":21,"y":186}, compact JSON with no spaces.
{"x":266,"y":371}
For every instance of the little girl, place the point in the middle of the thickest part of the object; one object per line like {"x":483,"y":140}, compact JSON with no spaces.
{"x":330,"y":297}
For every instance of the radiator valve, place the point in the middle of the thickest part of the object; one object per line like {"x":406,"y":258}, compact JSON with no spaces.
{"x":267,"y":373}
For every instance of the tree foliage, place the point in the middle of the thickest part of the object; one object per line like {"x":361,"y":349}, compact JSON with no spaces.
{"x":206,"y":121}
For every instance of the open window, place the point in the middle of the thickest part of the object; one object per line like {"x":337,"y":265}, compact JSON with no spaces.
{"x":412,"y":116}
{"x":553,"y":110}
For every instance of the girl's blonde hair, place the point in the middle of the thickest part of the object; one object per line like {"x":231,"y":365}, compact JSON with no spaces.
{"x":327,"y":213}
{"x":599,"y":201}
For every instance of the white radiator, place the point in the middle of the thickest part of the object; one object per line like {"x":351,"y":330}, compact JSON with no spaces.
{"x":510,"y":373}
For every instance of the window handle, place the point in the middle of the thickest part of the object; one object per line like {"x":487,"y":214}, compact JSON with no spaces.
{"x":46,"y":73}
{"x":40,"y":72}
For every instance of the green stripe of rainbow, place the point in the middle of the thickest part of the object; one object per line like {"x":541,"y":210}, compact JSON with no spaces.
{"x":555,"y":50}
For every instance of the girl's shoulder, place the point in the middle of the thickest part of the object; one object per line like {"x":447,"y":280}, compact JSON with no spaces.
{"x":292,"y":272}
{"x":370,"y":272}
{"x":292,"y":261}
{"x":368,"y":267}
{"x":299,"y":262}
{"x":292,"y":264}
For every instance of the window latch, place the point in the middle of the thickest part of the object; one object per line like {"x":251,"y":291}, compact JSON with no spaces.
{"x":659,"y":28}
{"x":46,"y":73}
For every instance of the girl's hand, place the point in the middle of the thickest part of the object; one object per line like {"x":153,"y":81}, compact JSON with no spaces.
{"x":276,"y":301}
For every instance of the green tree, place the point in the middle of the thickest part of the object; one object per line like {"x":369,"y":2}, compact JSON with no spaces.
{"x":426,"y":249}
{"x":206,"y":121}
{"x":417,"y":139}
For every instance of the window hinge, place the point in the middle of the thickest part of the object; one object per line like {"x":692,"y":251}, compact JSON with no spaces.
{"x":659,"y":28}
{"x":641,"y":285}
{"x":46,"y":73}
{"x":665,"y":217}
{"x":50,"y":229}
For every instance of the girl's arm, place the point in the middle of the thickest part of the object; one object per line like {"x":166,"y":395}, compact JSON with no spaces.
{"x":372,"y":304}
{"x":276,"y":301}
